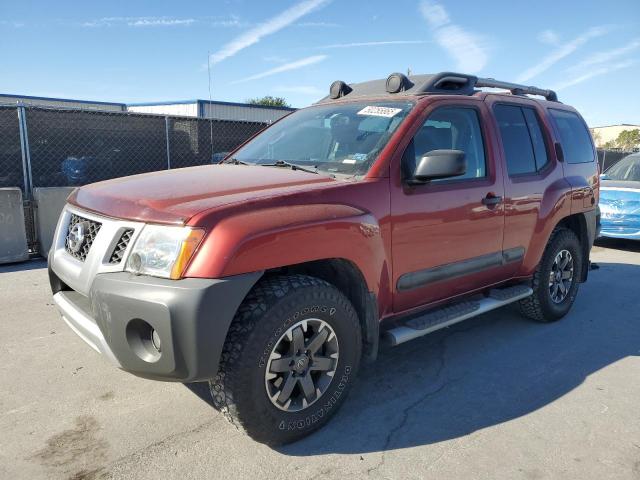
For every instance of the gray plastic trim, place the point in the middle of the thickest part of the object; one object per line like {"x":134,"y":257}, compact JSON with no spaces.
{"x":68,"y":304}
{"x":420,"y":278}
{"x":404,"y":333}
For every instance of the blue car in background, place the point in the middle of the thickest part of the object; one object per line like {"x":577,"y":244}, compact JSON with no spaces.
{"x":620,"y":199}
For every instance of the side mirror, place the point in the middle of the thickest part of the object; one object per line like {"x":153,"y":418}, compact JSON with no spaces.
{"x":440,"y":164}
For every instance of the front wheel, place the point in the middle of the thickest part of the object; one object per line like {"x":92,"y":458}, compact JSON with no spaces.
{"x":556,"y":280}
{"x":290,"y":357}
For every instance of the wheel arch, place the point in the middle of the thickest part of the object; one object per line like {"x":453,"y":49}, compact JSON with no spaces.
{"x":346,"y":277}
{"x":579,"y":225}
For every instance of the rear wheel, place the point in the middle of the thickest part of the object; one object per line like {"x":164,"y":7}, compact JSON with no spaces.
{"x":556,"y":280}
{"x":289,"y":359}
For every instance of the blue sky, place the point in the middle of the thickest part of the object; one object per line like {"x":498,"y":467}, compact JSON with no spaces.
{"x":137,"y":51}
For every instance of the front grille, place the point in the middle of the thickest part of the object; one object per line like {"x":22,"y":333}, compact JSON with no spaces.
{"x":121,"y":246}
{"x":79,"y":247}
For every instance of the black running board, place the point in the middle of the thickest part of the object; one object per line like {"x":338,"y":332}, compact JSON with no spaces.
{"x":458,"y":312}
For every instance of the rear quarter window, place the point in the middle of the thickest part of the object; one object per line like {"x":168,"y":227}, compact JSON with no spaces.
{"x":574,"y":137}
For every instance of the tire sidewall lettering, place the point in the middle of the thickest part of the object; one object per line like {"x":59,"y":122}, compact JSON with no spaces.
{"x":294,"y":317}
{"x":328,"y":404}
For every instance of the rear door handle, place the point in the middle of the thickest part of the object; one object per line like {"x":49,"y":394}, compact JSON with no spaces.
{"x":491,"y":199}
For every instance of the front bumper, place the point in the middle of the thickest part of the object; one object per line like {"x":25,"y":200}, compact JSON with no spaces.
{"x":612,"y":230}
{"x":190,"y":316}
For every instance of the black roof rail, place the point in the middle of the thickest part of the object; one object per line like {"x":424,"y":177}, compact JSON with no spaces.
{"x":448,"y":83}
{"x":517,"y":89}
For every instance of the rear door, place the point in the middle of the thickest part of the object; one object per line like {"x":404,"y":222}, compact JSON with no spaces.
{"x":531,"y":173}
{"x":447,"y":234}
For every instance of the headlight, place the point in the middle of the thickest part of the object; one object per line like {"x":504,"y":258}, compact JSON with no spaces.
{"x":163,"y":251}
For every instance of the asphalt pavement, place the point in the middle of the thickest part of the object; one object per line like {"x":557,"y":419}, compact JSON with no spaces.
{"x":495,"y":397}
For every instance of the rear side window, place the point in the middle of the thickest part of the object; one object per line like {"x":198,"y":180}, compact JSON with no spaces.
{"x":522,"y":139}
{"x":576,"y":142}
{"x":515,"y":139}
{"x":537,"y":140}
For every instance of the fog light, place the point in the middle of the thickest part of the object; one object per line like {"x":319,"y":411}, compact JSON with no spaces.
{"x":143,"y":340}
{"x":155,"y":339}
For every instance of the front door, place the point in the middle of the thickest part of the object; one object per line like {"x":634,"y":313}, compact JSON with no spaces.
{"x":447,"y":234}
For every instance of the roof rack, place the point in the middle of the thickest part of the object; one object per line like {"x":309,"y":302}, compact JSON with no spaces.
{"x":449,"y":83}
{"x":517,"y":89}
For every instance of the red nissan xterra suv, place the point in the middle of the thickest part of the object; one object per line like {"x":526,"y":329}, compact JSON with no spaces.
{"x":389,"y":209}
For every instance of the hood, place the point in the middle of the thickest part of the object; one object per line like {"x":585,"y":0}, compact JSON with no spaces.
{"x":619,"y":184}
{"x":620,"y":203}
{"x":174,"y":196}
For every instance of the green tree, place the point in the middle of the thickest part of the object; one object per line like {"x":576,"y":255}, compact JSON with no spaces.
{"x":269,"y":101}
{"x":628,"y":139}
{"x":597,"y":137}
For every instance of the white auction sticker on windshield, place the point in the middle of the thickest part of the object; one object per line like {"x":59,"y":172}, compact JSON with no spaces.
{"x":379,"y":111}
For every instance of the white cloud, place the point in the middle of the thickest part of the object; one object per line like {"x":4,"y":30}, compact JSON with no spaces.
{"x":549,"y":37}
{"x":13,"y":24}
{"x":304,"y":62}
{"x":561,"y":52}
{"x":140,"y":22}
{"x":301,"y":89}
{"x":373,"y":44}
{"x":595,"y":73}
{"x":161,"y":22}
{"x":435,"y":14}
{"x":232,"y":21}
{"x":274,"y":24}
{"x":465,"y":47}
{"x":608,"y":55}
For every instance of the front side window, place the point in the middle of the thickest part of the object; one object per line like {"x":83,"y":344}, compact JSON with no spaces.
{"x":343,"y":138}
{"x":575,"y":138}
{"x":449,"y":128}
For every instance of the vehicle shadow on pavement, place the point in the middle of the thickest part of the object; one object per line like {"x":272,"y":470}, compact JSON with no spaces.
{"x":484,"y":372}
{"x":618,"y":244}
{"x":33,"y":264}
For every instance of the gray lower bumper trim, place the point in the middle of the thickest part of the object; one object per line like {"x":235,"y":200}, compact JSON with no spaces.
{"x":191,"y":317}
{"x":82,"y":323}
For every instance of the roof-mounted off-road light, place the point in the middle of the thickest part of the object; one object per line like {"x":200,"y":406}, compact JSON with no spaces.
{"x":398,"y":82}
{"x":339,"y":89}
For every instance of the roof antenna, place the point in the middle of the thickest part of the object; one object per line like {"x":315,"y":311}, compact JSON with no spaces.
{"x":210,"y":110}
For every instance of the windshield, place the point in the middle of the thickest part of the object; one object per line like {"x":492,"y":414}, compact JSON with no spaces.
{"x":344,"y":138}
{"x":626,"y":170}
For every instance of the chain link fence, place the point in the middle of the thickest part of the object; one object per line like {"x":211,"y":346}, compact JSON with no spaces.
{"x":55,"y":147}
{"x":11,"y":168}
{"x":607,"y":158}
{"x":198,"y":142}
{"x":75,"y":147}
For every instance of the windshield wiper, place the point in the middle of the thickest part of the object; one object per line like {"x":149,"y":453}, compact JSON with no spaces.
{"x":235,"y":161}
{"x":292,"y":166}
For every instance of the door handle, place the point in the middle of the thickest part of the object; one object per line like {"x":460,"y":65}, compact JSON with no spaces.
{"x":491,"y":199}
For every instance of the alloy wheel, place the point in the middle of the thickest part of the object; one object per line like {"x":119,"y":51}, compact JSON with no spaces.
{"x":561,"y":276}
{"x":302,"y":365}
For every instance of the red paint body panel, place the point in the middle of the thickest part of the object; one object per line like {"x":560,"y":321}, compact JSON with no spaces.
{"x":258,"y":218}
{"x":174,"y":196}
{"x":443,"y":223}
{"x":534,"y":203}
{"x":347,"y":220}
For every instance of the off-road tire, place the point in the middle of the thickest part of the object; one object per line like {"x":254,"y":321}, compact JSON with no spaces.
{"x":539,"y":306}
{"x":275,"y":304}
